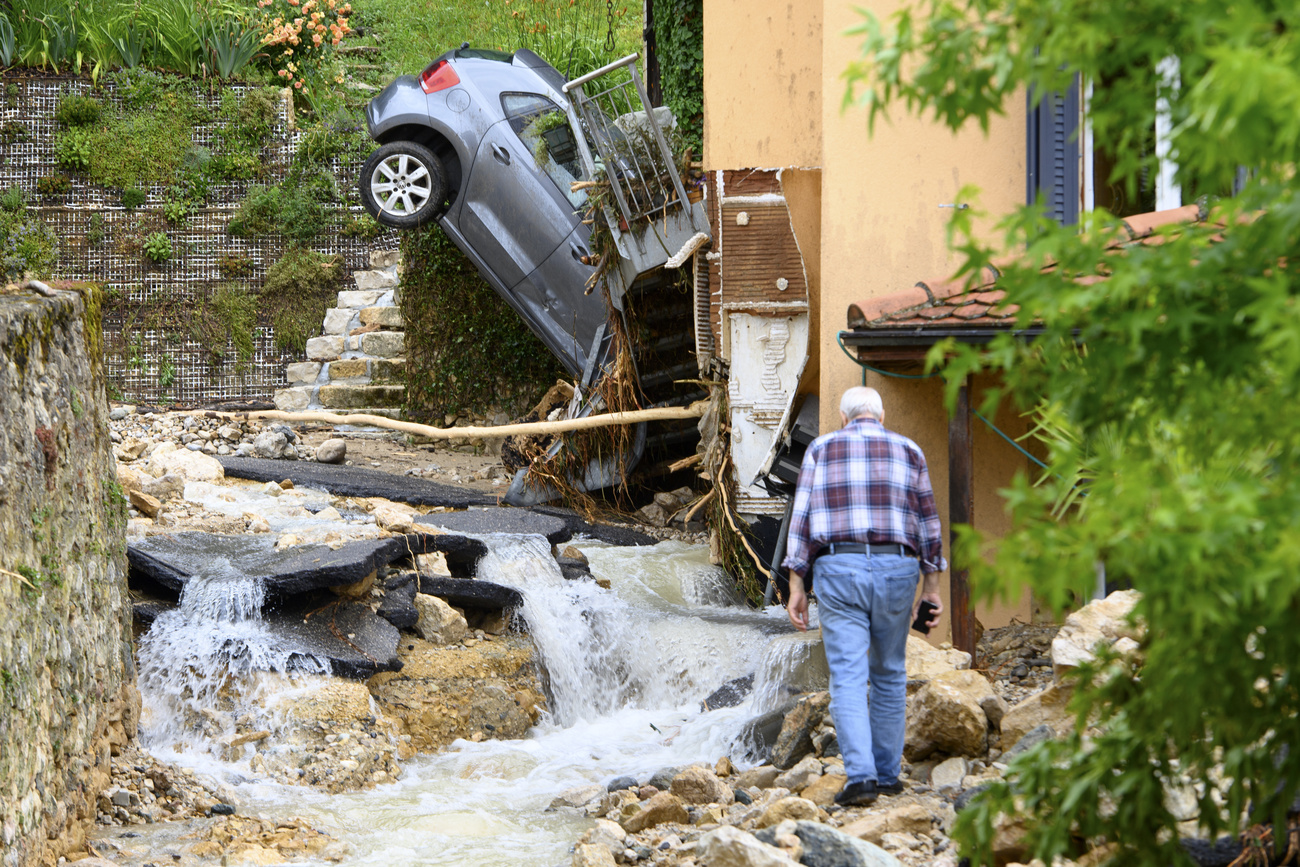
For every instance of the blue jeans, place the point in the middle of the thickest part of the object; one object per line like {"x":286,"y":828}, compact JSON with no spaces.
{"x":864,"y":603}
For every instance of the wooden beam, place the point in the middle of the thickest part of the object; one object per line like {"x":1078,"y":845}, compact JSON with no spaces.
{"x":662,"y":413}
{"x":961,"y":509}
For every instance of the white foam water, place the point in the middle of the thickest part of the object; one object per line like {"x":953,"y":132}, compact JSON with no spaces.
{"x":195,"y":660}
{"x":626,"y":668}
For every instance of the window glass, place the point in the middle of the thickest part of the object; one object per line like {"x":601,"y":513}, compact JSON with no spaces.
{"x":544,"y":129}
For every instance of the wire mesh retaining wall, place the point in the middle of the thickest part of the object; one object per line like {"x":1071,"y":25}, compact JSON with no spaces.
{"x":150,"y":352}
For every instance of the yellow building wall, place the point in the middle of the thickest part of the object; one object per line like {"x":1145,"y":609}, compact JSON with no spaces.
{"x":773,"y":92}
{"x":762,"y":84}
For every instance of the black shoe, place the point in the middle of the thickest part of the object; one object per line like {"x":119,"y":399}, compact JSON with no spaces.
{"x":858,"y":794}
{"x":894,"y":788}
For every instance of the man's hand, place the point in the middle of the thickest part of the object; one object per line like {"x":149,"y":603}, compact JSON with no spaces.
{"x":929,"y":593}
{"x":797,"y":606}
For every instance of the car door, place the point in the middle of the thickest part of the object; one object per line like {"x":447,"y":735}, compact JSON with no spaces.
{"x":514,"y":215}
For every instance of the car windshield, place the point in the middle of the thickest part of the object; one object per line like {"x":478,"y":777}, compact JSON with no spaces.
{"x":544,"y":129}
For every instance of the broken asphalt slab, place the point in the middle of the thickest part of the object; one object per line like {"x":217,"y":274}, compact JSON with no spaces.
{"x":356,"y":642}
{"x":471,"y":593}
{"x":343,"y":481}
{"x":510,"y":521}
{"x":171,"y":560}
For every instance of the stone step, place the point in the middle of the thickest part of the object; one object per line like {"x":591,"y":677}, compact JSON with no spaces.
{"x":346,"y":371}
{"x":333,"y":397}
{"x":377,"y":344}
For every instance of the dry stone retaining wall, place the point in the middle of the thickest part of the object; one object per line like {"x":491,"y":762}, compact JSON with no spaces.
{"x":67,"y":694}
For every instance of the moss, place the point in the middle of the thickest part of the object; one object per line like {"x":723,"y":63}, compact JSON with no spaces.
{"x":145,"y":142}
{"x":228,"y":316}
{"x":298,"y":289}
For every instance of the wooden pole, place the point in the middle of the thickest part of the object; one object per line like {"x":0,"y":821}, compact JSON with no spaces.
{"x":961,"y":509}
{"x":663,"y":413}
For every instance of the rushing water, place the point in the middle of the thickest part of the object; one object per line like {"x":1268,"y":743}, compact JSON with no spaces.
{"x":626,"y":671}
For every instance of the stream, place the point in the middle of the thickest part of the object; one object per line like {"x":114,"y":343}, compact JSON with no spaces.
{"x":626,"y":669}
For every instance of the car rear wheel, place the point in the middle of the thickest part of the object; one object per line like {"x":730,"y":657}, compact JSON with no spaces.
{"x":403,"y":184}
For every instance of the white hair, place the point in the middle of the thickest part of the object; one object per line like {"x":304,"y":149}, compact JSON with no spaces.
{"x":862,"y":401}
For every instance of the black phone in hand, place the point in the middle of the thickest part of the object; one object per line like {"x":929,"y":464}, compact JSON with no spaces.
{"x":922,"y":621}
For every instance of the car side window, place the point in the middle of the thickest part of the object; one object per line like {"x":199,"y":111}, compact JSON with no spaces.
{"x":544,"y":129}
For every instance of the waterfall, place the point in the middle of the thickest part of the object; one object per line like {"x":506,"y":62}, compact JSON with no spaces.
{"x":194,"y":659}
{"x":644,"y":644}
{"x":582,"y":632}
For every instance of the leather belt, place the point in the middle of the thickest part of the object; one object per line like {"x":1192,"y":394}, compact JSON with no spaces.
{"x":859,"y":548}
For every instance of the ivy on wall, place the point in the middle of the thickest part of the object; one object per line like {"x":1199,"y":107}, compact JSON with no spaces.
{"x":466,"y":349}
{"x":679,"y":38}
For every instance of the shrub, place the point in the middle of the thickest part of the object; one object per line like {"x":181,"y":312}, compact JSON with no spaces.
{"x":296,"y":293}
{"x":12,"y":199}
{"x":26,"y":245}
{"x":75,"y":110}
{"x":73,"y":148}
{"x":298,"y":38}
{"x":158,"y":247}
{"x":133,"y":198}
{"x":52,"y":185}
{"x":461,"y":337}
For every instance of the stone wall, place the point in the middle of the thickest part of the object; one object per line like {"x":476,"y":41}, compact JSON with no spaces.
{"x":67,"y":694}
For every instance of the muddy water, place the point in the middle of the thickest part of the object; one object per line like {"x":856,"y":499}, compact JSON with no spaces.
{"x":626,"y":670}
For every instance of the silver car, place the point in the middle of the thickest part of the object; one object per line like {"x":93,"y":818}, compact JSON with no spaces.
{"x":481,"y":141}
{"x":493,"y":145}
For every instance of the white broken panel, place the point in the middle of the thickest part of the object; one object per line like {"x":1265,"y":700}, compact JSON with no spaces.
{"x":768,"y":354}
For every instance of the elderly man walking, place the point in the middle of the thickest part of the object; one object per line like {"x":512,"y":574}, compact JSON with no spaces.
{"x":864,"y":521}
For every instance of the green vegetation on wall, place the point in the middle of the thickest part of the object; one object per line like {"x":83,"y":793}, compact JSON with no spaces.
{"x":679,"y":41}
{"x":465,"y":348}
{"x":298,"y":290}
{"x":26,"y":244}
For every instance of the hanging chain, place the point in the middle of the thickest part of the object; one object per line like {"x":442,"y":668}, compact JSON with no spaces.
{"x":609,"y":34}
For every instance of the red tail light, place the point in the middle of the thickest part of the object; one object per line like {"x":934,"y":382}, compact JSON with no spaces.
{"x":438,"y":77}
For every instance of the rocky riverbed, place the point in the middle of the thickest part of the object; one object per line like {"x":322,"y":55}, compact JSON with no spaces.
{"x":767,"y":798}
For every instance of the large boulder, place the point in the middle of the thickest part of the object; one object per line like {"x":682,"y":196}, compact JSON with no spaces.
{"x":1098,"y":624}
{"x":947,"y":716}
{"x":190,"y":466}
{"x":438,"y":622}
{"x":906,"y":819}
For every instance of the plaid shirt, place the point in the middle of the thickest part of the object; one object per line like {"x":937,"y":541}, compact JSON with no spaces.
{"x":864,"y":484}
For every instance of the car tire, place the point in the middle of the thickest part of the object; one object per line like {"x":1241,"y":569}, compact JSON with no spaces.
{"x":403,"y":184}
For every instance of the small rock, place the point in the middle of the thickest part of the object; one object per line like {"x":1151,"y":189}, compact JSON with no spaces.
{"x":592,"y":855}
{"x":145,"y":504}
{"x":620,"y":783}
{"x":823,"y":789}
{"x":332,"y":451}
{"x":439,"y":623}
{"x":270,"y":444}
{"x":731,"y":847}
{"x":578,"y":796}
{"x":701,"y":786}
{"x":764,"y":777}
{"x":801,"y":775}
{"x":663,"y":807}
{"x":788,"y":808}
{"x":948,"y":774}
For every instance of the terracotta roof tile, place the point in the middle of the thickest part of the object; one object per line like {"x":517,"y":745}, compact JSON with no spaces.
{"x":934,"y":303}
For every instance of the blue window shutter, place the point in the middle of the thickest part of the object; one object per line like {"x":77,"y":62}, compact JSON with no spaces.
{"x":1053,"y":152}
